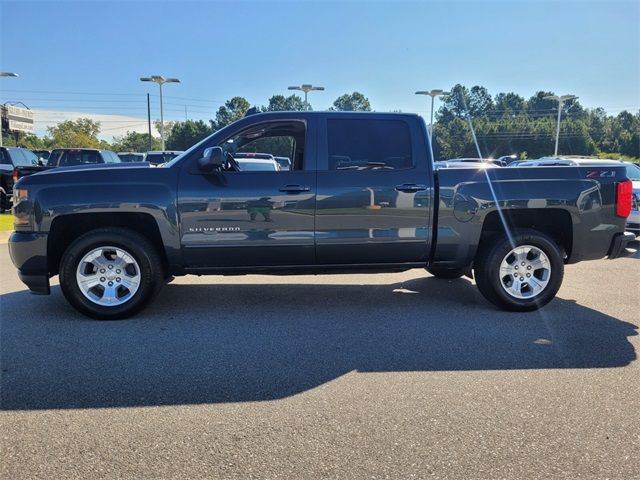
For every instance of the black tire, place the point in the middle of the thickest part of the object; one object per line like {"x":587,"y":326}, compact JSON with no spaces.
{"x":4,"y":203}
{"x":487,"y":270}
{"x":445,"y":273}
{"x":137,"y":246}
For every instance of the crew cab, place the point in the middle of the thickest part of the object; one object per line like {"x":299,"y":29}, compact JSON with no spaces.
{"x":362,"y":195}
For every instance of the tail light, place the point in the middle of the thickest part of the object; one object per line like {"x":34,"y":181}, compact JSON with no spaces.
{"x":623,"y":198}
{"x":16,"y":175}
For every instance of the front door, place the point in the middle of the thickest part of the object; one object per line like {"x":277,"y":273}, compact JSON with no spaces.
{"x":252,"y":212}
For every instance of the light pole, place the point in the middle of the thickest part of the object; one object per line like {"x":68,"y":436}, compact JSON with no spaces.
{"x":160,"y":80}
{"x":560,"y":99}
{"x":433,"y":94}
{"x":306,"y":88}
{"x":5,"y":74}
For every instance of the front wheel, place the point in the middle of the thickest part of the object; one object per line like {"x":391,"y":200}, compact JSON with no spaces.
{"x":520,"y":274}
{"x":110,"y":273}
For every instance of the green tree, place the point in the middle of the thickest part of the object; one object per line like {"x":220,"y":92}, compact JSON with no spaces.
{"x":231,"y":111}
{"x":168,"y":126}
{"x":455,"y":104}
{"x":81,"y":133}
{"x":538,"y":106}
{"x":509,"y":104}
{"x":480,"y":102}
{"x":24,"y":140}
{"x":186,"y":134}
{"x":280,"y":103}
{"x":352,"y":102}
{"x":135,"y":142}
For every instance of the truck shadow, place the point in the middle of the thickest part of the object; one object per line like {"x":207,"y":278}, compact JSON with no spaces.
{"x":234,"y":343}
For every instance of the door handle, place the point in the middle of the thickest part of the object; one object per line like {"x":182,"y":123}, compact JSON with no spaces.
{"x":410,"y":187}
{"x":295,"y":189}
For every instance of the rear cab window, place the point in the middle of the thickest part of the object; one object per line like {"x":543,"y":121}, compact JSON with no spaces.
{"x":79,"y":157}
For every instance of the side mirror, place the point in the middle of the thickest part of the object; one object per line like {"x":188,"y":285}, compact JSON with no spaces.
{"x":211,"y":159}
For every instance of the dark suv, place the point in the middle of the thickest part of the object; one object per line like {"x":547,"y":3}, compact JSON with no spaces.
{"x":12,"y":159}
{"x":66,"y":157}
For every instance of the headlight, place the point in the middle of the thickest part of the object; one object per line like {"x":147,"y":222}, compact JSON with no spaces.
{"x":21,"y":215}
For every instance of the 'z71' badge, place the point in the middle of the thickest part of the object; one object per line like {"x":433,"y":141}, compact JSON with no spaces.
{"x":600,"y":173}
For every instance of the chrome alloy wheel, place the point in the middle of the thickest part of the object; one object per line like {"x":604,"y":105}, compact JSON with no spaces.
{"x":525,"y":272}
{"x":108,"y":276}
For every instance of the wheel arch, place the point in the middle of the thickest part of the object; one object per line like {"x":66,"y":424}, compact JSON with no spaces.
{"x":66,"y":228}
{"x":553,"y":222}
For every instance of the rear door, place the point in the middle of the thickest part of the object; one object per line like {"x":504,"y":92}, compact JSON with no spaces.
{"x":374,"y":190}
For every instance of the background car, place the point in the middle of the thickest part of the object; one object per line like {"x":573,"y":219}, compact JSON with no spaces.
{"x":464,"y":163}
{"x":284,"y":162}
{"x":13,"y":161}
{"x":257,"y":164}
{"x":65,"y":157}
{"x":507,"y":159}
{"x":131,"y":157}
{"x":43,"y":154}
{"x":494,"y":162}
{"x":157,"y":157}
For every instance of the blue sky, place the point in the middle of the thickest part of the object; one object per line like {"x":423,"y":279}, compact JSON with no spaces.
{"x":92,"y":53}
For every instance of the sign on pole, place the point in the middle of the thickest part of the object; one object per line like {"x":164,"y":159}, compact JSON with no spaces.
{"x":17,"y":119}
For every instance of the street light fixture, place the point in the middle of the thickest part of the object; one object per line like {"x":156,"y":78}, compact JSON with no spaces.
{"x":5,"y":74}
{"x":433,"y":94}
{"x":160,"y":80}
{"x":306,"y":88}
{"x":560,"y":99}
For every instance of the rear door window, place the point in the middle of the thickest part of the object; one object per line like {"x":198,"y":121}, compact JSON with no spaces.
{"x":363,"y":144}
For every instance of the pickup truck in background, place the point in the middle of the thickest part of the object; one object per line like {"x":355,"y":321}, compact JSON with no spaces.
{"x":362,"y":195}
{"x":15,"y":162}
{"x":65,"y":157}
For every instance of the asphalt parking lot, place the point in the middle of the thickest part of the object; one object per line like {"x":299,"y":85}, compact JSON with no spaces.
{"x":345,"y":376}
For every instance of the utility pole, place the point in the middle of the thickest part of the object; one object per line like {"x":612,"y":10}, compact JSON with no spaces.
{"x":5,"y":74}
{"x":149,"y":122}
{"x":473,"y":132}
{"x":433,"y":94}
{"x":306,"y":88}
{"x":160,"y":80}
{"x":560,"y":99}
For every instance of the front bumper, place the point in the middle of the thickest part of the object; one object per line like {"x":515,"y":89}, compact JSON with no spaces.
{"x":619,"y":245}
{"x":28,"y":253}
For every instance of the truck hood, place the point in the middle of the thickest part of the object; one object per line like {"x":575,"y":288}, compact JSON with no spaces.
{"x":96,"y":166}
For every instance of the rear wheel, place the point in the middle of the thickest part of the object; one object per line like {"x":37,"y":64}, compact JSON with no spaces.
{"x":522,"y":274}
{"x":445,"y":273}
{"x":110,"y":273}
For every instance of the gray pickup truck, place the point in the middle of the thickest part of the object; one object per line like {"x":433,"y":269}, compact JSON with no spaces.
{"x":361,"y":196}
